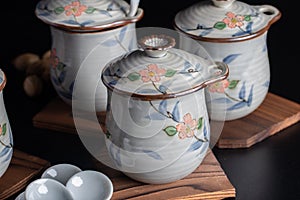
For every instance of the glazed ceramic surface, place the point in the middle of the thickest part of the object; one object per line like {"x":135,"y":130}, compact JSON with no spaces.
{"x":77,"y":27}
{"x":157,"y":123}
{"x":235,"y":33}
{"x":6,"y":138}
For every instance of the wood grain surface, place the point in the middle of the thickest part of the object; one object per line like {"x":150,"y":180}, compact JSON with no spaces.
{"x":275,"y":114}
{"x":22,"y":170}
{"x":207,"y":182}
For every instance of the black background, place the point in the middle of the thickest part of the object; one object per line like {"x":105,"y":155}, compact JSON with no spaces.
{"x":269,"y":170}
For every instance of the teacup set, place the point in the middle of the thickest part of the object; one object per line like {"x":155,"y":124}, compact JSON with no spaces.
{"x":159,"y":91}
{"x":68,"y":182}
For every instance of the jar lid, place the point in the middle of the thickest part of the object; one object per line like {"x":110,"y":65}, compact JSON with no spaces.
{"x":160,"y":71}
{"x":87,"y":15}
{"x":2,"y":80}
{"x":225,"y":20}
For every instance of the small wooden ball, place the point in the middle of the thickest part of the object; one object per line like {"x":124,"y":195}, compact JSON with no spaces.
{"x":22,"y":61}
{"x":33,"y":85}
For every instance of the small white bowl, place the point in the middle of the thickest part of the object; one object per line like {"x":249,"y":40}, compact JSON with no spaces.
{"x":47,"y":189}
{"x":91,"y":185}
{"x":21,"y":196}
{"x":61,"y":172}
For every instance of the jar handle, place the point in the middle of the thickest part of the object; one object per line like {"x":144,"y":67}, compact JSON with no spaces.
{"x":218,"y":72}
{"x":134,"y":4}
{"x":271,"y":13}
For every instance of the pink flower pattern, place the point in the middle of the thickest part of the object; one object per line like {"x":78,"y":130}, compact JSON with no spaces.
{"x":232,"y":20}
{"x":75,"y":8}
{"x":219,"y":87}
{"x":186,"y":129}
{"x":152,"y":73}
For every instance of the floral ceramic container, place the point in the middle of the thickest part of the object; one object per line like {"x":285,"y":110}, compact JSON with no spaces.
{"x":6,"y":138}
{"x":77,"y":27}
{"x":235,"y":33}
{"x":157,"y":122}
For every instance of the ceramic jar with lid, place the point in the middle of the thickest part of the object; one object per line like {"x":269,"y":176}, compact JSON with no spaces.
{"x":235,"y":33}
{"x":77,"y":27}
{"x":157,"y":124}
{"x":6,"y":138}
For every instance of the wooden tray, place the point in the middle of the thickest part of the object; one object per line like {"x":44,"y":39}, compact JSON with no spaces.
{"x":208,"y":181}
{"x":275,"y":114}
{"x":22,"y":170}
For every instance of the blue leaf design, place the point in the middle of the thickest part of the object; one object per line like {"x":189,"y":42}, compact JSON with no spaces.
{"x":240,"y":33}
{"x":147,"y":91}
{"x":1,"y":79}
{"x":249,"y":27}
{"x":155,"y":116}
{"x":71,"y":87}
{"x":265,"y":48}
{"x":186,"y":65}
{"x":152,"y":154}
{"x":70,"y":22}
{"x":250,"y":97}
{"x":122,"y":33}
{"x":110,"y":43}
{"x":163,"y":107}
{"x":230,"y":58}
{"x":62,"y":77}
{"x":206,"y":32}
{"x":242,"y":92}
{"x":196,"y":145}
{"x":113,"y":82}
{"x":266,"y":84}
{"x":163,"y":88}
{"x":175,"y":112}
{"x":205,"y":131}
{"x":87,"y":22}
{"x":221,"y":100}
{"x":237,"y":106}
{"x":104,"y":12}
{"x":9,"y":155}
{"x":4,"y":151}
{"x":198,"y":67}
{"x":110,"y":6}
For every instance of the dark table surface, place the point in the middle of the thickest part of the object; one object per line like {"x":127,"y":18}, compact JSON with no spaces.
{"x":269,"y":170}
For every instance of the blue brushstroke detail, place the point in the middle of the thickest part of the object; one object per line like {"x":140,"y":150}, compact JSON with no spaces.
{"x":221,"y":100}
{"x":4,"y":151}
{"x":110,"y":43}
{"x":1,"y":79}
{"x":55,"y":81}
{"x":87,"y":22}
{"x":249,"y":27}
{"x":163,"y":89}
{"x":104,"y":12}
{"x":122,"y":33}
{"x":250,"y":97}
{"x":242,"y":92}
{"x":70,"y":22}
{"x":205,"y":32}
{"x":9,"y":155}
{"x":113,"y":82}
{"x":62,"y":76}
{"x":147,"y":91}
{"x":152,"y":154}
{"x":155,"y":116}
{"x":163,"y":107}
{"x":175,"y":112}
{"x":205,"y":131}
{"x":186,"y":65}
{"x":196,"y":145}
{"x":198,"y":67}
{"x":230,"y":58}
{"x":71,"y":87}
{"x":266,"y":84}
{"x":238,"y":106}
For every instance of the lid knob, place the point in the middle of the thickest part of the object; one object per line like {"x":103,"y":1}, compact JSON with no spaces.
{"x":156,"y":45}
{"x":223,"y":3}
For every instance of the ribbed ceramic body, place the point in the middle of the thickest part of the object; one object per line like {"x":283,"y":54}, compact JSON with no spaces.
{"x":235,"y":33}
{"x":157,"y":122}
{"x":145,"y":145}
{"x":249,"y":77}
{"x":6,"y":137}
{"x":70,"y":49}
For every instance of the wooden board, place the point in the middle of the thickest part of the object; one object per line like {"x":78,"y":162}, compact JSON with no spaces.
{"x":22,"y":170}
{"x":207,"y":182}
{"x":275,"y":114}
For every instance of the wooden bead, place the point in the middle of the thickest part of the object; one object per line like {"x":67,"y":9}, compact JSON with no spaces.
{"x":22,"y":61}
{"x":35,"y":68}
{"x":33,"y":85}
